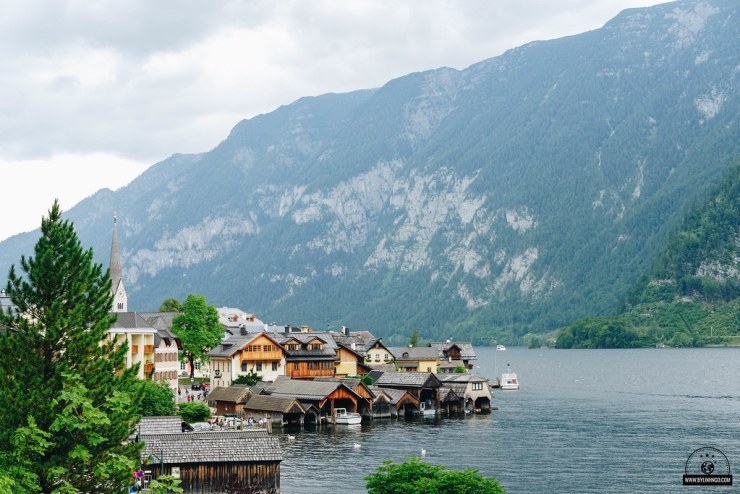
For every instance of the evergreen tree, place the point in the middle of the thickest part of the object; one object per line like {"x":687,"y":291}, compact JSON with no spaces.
{"x":69,"y":399}
{"x":198,"y":329}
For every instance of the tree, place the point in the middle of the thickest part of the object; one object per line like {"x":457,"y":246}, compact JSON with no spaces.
{"x":157,"y":400}
{"x":250,"y":379}
{"x":74,"y":402}
{"x":417,"y":477}
{"x":194,"y":412}
{"x":198,"y":329}
{"x":415,"y":338}
{"x":170,"y":305}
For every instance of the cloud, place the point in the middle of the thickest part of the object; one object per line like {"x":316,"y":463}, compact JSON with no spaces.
{"x":142,"y":80}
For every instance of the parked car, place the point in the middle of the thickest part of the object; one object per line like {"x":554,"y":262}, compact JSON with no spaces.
{"x":196,"y":386}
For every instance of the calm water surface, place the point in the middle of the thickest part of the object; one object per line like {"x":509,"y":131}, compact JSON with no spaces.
{"x":583,"y":421}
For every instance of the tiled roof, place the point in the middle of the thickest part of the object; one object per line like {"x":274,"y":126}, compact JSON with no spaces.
{"x":242,"y":446}
{"x":305,"y":390}
{"x":408,"y":380}
{"x":414,"y":353}
{"x":394,"y":394}
{"x":131,"y":320}
{"x":450,"y":364}
{"x":467,"y":352}
{"x":448,"y":394}
{"x":159,"y":425}
{"x":267,"y":403}
{"x":463,"y":378}
{"x":457,"y":387}
{"x":232,"y":394}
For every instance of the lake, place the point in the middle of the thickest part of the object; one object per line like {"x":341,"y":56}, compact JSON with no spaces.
{"x":583,"y":421}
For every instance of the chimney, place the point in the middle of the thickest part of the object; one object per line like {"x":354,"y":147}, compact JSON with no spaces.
{"x":345,"y":330}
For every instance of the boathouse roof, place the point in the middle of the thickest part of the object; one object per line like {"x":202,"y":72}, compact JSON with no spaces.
{"x":408,"y":380}
{"x":252,"y":445}
{"x":232,"y":394}
{"x":267,"y":403}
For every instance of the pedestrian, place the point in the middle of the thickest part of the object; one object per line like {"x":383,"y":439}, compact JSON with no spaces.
{"x":188,"y":398}
{"x":179,"y":391}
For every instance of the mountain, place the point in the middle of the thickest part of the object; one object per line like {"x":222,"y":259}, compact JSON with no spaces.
{"x":692,"y":296}
{"x":514,"y":196}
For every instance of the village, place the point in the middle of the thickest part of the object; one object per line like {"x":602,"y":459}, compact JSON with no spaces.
{"x":307,"y":379}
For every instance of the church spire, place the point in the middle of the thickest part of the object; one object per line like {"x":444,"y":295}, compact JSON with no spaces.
{"x":120,"y":302}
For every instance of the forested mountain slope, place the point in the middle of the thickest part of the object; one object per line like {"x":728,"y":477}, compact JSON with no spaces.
{"x":514,"y":196}
{"x":692,"y":297}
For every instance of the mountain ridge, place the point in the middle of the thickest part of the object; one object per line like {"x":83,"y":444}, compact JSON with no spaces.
{"x":512,"y":196}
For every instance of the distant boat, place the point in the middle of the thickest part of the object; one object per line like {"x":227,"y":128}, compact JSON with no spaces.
{"x":500,"y":347}
{"x":343,"y":417}
{"x":509,"y":381}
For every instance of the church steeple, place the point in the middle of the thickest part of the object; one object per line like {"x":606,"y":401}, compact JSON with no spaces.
{"x":120,"y":301}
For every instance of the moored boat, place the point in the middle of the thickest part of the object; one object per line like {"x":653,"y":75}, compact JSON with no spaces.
{"x":343,"y":417}
{"x":509,"y":380}
{"x":500,"y":347}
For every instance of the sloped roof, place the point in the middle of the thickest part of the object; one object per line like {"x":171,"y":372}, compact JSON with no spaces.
{"x":408,"y":380}
{"x":170,"y":424}
{"x":132,"y":320}
{"x":450,"y":364}
{"x":395,"y":395}
{"x":467,"y":352}
{"x":237,"y":446}
{"x":415,"y":353}
{"x":448,"y":394}
{"x":306,"y":390}
{"x":230,"y":346}
{"x":463,"y":378}
{"x":268,"y":403}
{"x":458,"y":387}
{"x":232,"y":394}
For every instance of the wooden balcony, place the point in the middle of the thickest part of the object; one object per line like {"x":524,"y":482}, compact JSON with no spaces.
{"x":148,"y":369}
{"x":148,"y":348}
{"x":247,"y":356}
{"x":134,"y":349}
{"x":311,"y":373}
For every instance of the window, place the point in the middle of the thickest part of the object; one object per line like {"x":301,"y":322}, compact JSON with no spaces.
{"x":295,"y":366}
{"x":259,"y":366}
{"x":386,"y":357}
{"x":310,"y":365}
{"x":477,"y":386}
{"x":377,"y":357}
{"x":267,"y":348}
{"x":197,"y":366}
{"x":120,"y":305}
{"x":274,"y":366}
{"x":292,"y":347}
{"x":244,"y":367}
{"x":182,"y":365}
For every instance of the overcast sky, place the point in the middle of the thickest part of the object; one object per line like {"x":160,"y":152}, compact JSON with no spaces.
{"x":93,"y":92}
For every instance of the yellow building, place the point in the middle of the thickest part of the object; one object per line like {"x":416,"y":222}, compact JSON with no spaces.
{"x":139,"y":334}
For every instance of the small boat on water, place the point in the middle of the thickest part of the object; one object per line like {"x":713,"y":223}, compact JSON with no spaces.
{"x":427,"y":409}
{"x":500,"y":347}
{"x":343,"y":417}
{"x":509,"y":380}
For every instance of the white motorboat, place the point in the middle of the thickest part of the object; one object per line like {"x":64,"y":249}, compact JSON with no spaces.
{"x":427,"y":409}
{"x":500,"y":347}
{"x":343,"y":417}
{"x":509,"y":380}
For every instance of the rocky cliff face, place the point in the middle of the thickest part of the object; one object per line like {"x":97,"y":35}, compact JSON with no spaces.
{"x":517,"y":194}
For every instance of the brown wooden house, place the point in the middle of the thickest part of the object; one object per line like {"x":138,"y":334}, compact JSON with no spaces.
{"x":393,"y":403}
{"x":214,"y":461}
{"x":423,"y":385}
{"x":324,"y":395}
{"x":229,"y":401}
{"x":309,"y":355}
{"x":278,"y":410}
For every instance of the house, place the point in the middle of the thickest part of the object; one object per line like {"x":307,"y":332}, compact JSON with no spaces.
{"x":349,"y":362}
{"x":424,"y":386}
{"x":229,"y":400}
{"x":167,"y":348}
{"x":237,"y":322}
{"x":415,"y":359}
{"x":392,"y":403}
{"x":309,"y":355}
{"x":359,"y":387}
{"x":279,"y":410}
{"x":241,"y":354}
{"x":378,"y":356}
{"x":211,"y":461}
{"x":460,"y":353}
{"x":324,"y":395}
{"x":133,"y":329}
{"x":474,"y":391}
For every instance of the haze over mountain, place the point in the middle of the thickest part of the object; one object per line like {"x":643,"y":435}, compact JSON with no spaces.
{"x":516,"y":195}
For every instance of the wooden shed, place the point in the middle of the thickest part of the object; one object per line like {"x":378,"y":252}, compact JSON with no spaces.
{"x":215,"y":461}
{"x":392,"y":403}
{"x":231,"y":400}
{"x":278,"y":410}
